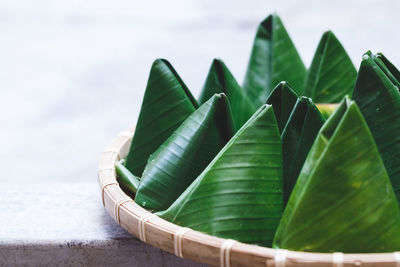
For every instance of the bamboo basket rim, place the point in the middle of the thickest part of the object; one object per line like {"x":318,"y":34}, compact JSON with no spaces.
{"x":201,"y":247}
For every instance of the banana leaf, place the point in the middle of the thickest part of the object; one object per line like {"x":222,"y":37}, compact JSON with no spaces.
{"x":221,"y":80}
{"x":326,"y":109}
{"x":166,"y":104}
{"x":391,"y":68}
{"x":387,"y":67}
{"x":126,"y":179}
{"x":379,"y":101}
{"x":298,"y":136}
{"x":282,"y":98}
{"x":332,"y":74}
{"x":343,"y":199}
{"x":273,"y":59}
{"x":240,"y":193}
{"x":180,"y":159}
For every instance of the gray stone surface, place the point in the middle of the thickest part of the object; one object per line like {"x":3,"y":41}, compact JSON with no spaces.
{"x":66,"y":225}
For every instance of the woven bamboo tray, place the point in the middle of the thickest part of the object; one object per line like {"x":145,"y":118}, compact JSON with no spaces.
{"x":197,"y":246}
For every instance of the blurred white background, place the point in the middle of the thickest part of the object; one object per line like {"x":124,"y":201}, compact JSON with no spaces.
{"x":73,"y":73}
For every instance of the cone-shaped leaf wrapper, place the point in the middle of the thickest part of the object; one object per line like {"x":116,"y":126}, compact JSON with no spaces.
{"x":332,"y":74}
{"x":379,"y":101}
{"x":298,"y":137}
{"x":240,"y":194}
{"x":343,"y":200}
{"x":221,"y":80}
{"x":166,"y":104}
{"x":174,"y":166}
{"x":273,"y":59}
{"x":282,"y":98}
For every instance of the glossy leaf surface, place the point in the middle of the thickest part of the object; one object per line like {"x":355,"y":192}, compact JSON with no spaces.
{"x":126,"y":179}
{"x":332,"y":74}
{"x":166,"y":104}
{"x":221,"y":80}
{"x":390,"y":70}
{"x":282,"y":98}
{"x":298,"y":136}
{"x":240,"y":194}
{"x":379,"y":101}
{"x":180,"y":159}
{"x":273,"y":59}
{"x":343,"y":200}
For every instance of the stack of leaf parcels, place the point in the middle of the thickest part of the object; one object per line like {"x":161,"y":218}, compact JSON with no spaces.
{"x":262,"y":163}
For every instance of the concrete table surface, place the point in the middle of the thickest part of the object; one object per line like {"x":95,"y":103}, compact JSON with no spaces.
{"x":66,"y":225}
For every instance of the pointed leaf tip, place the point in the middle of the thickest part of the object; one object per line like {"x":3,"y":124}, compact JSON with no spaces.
{"x":268,"y":64}
{"x":282,"y":98}
{"x":220,"y":79}
{"x":165,"y":63}
{"x":394,"y":72}
{"x":332,"y":74}
{"x":166,"y":104}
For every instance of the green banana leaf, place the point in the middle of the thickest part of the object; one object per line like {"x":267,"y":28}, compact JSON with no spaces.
{"x":166,"y":104}
{"x":326,"y":109}
{"x":221,"y":80}
{"x":282,"y":98}
{"x":343,"y":199}
{"x":240,"y":193}
{"x":379,"y":101}
{"x":332,"y":74}
{"x":273,"y":59}
{"x":126,"y":179}
{"x":387,"y":67}
{"x":298,"y":136}
{"x":180,"y":159}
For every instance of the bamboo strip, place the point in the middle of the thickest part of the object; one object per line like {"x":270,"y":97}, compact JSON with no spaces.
{"x":178,"y":235}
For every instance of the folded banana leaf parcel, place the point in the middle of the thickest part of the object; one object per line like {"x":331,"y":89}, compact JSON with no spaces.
{"x":295,"y":158}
